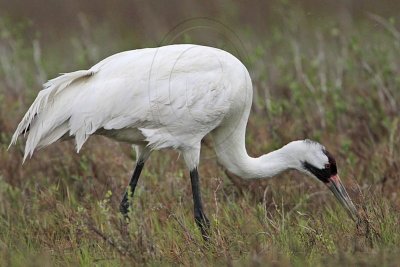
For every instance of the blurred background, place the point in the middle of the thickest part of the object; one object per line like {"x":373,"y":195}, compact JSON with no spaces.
{"x":324,"y":70}
{"x":150,"y":20}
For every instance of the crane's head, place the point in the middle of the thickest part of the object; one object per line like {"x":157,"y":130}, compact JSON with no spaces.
{"x":313,"y":159}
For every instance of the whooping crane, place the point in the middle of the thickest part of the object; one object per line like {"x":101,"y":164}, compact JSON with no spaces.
{"x":169,"y":97}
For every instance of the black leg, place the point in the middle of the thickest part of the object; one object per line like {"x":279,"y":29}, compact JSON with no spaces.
{"x":201,"y":219}
{"x":124,"y":206}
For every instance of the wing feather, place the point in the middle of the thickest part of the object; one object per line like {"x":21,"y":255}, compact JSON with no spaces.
{"x":175,"y":95}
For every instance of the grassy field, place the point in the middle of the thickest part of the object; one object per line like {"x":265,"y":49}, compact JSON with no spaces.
{"x":328,"y":73}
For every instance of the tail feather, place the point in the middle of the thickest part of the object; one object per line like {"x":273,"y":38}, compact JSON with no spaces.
{"x":54,"y":135}
{"x":42,"y":126}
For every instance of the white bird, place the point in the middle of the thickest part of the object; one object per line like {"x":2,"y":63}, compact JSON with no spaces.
{"x":169,"y":97}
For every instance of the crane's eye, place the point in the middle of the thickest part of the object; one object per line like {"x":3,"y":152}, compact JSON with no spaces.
{"x":327,"y":166}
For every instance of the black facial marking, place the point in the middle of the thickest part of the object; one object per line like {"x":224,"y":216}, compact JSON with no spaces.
{"x":332,"y":162}
{"x":325,"y":173}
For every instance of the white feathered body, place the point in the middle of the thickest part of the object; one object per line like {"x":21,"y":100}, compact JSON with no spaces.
{"x":167,"y":97}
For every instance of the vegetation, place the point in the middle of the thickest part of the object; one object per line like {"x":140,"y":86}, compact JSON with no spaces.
{"x":328,"y":74}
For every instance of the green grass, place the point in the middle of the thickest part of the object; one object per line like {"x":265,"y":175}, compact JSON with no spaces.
{"x":314,"y":77}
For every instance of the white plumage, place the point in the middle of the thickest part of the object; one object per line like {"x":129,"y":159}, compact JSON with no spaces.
{"x":167,"y":97}
{"x":162,"y":95}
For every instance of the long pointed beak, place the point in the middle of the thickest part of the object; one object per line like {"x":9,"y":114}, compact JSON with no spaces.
{"x":336,"y":186}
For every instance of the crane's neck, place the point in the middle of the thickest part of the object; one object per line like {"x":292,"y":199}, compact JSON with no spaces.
{"x":231,"y":152}
{"x":267,"y":165}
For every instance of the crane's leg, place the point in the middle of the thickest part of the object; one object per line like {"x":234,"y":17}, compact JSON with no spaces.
{"x":199,"y":216}
{"x":142,"y":154}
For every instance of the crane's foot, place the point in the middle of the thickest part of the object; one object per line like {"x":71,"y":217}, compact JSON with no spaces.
{"x":124,"y":207}
{"x":204,"y":225}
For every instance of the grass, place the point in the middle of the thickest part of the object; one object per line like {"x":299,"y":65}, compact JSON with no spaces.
{"x":314,"y":77}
